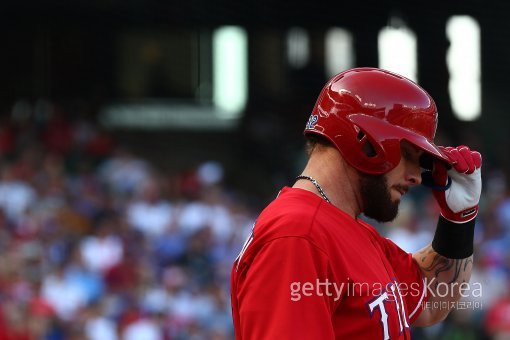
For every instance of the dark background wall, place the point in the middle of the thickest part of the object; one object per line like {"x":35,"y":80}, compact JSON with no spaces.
{"x":68,"y":52}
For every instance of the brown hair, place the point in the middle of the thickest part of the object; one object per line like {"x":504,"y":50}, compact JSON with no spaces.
{"x":314,"y":141}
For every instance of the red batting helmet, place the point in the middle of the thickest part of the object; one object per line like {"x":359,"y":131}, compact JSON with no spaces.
{"x":372,"y":106}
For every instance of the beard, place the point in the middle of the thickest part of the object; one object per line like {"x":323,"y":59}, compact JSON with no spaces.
{"x":376,"y":198}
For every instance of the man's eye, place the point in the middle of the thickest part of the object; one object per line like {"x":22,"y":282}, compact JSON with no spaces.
{"x":426,"y":162}
{"x":407,"y":155}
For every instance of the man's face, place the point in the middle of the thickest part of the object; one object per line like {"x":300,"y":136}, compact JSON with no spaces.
{"x":381,"y":194}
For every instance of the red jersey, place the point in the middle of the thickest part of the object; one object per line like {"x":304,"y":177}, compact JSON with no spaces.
{"x":311,"y":271}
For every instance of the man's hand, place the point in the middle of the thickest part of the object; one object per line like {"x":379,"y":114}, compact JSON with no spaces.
{"x":459,"y":203}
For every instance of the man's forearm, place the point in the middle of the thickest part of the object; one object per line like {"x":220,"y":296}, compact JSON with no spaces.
{"x":445,"y":279}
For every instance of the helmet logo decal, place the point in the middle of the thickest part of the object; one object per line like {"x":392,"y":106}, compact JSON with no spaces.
{"x":311,"y":122}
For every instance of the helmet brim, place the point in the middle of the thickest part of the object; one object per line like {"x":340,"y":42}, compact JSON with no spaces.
{"x":381,"y":130}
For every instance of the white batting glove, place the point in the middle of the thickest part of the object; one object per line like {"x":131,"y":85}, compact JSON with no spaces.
{"x":459,"y":202}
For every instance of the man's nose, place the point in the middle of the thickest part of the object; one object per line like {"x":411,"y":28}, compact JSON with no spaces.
{"x":413,"y":174}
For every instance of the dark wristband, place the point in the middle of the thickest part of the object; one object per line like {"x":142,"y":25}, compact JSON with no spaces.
{"x":454,"y":240}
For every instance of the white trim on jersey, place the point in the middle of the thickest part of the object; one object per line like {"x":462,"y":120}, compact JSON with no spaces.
{"x":420,"y":301}
{"x":245,"y":245}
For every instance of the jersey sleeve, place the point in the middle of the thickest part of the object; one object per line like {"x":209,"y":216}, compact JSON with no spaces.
{"x":281,"y":293}
{"x":412,"y":284}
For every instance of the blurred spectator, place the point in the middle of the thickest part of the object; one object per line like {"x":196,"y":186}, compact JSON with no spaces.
{"x":123,"y":173}
{"x":15,"y":196}
{"x":405,"y":229}
{"x":149,"y":213}
{"x":103,"y":249}
{"x":146,"y":328}
{"x":89,"y":281}
{"x":14,"y":322}
{"x":41,"y":319}
{"x":211,"y":210}
{"x":210,"y":173}
{"x":98,"y":326}
{"x":64,"y":295}
{"x":497,"y":321}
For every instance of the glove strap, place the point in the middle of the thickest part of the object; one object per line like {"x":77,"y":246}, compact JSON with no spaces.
{"x":454,"y":240}
{"x":428,"y":181}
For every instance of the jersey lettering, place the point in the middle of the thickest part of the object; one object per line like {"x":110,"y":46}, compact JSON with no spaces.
{"x":379,"y":303}
{"x":402,"y":311}
{"x":392,"y":294}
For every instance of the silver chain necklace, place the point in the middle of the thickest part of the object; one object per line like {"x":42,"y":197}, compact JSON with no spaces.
{"x":317,"y":185}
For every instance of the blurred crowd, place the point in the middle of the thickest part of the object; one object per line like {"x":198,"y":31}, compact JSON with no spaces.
{"x":98,"y":243}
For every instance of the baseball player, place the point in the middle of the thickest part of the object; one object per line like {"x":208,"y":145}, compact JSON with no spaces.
{"x":312,"y":269}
